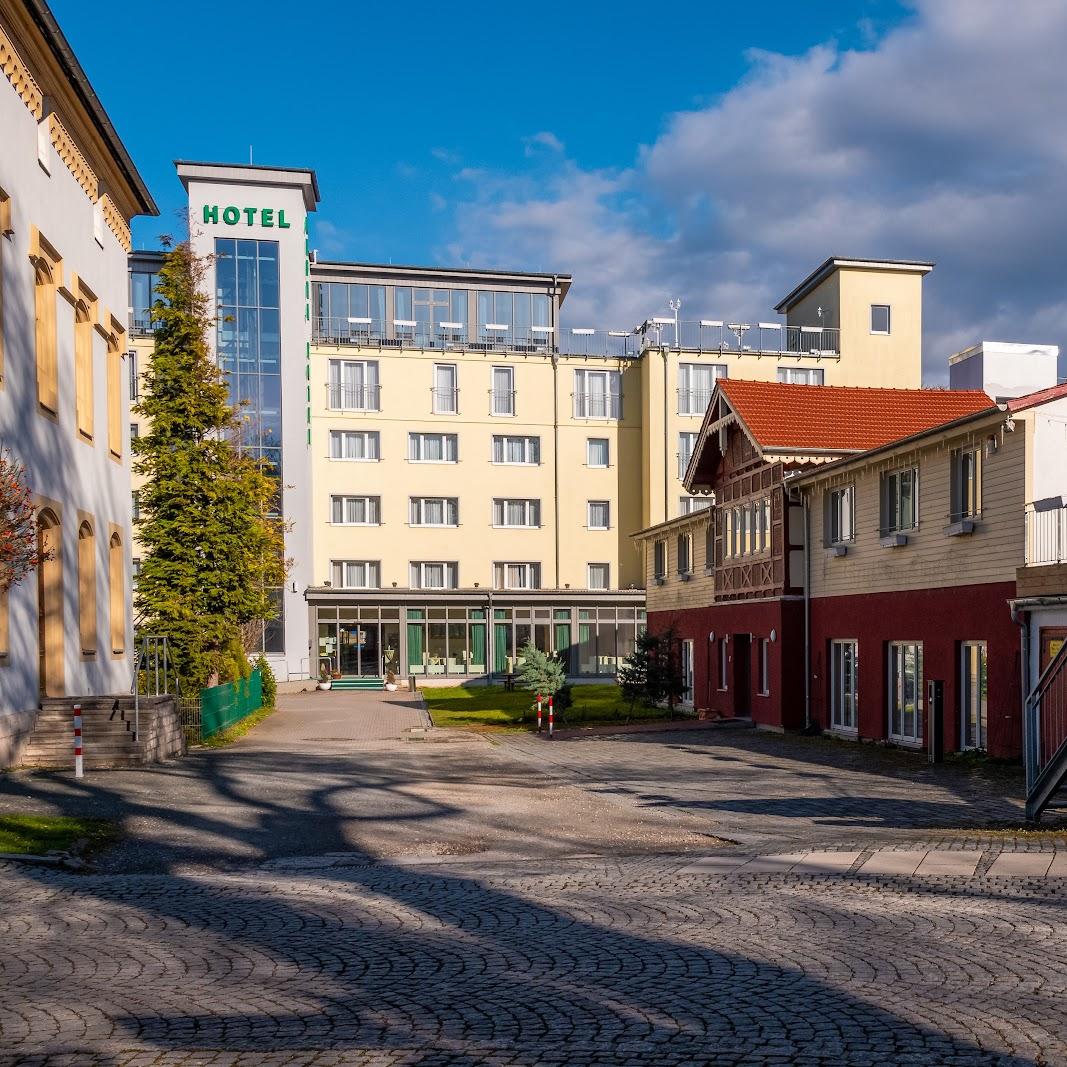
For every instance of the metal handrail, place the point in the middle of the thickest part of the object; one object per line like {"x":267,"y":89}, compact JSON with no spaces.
{"x":154,"y":648}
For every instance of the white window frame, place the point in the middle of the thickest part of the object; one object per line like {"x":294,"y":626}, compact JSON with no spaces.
{"x":687,"y":664}
{"x":689,"y":397}
{"x":445,"y":398}
{"x":969,"y":485}
{"x":888,"y":320}
{"x":687,"y":440}
{"x":372,"y":573}
{"x":507,"y":394}
{"x":612,"y":394}
{"x":980,"y":723}
{"x":589,"y":576}
{"x":531,"y":570}
{"x":531,"y":508}
{"x":722,"y":657}
{"x":687,"y":540}
{"x":763,"y":667}
{"x":889,"y":489}
{"x":838,"y":530}
{"x":590,"y":505}
{"x":367,"y":436}
{"x":688,"y":504}
{"x":839,"y":697}
{"x":898,"y":651}
{"x":417,"y":511}
{"x":417,"y":571}
{"x":801,"y":375}
{"x":589,"y":452}
{"x":659,"y":559}
{"x":371,"y":505}
{"x":370,"y":384}
{"x":417,"y":442}
{"x":530,"y":444}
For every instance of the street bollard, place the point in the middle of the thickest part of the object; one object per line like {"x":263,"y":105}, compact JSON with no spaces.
{"x":78,"y":741}
{"x":538,"y":712}
{"x":551,"y":717}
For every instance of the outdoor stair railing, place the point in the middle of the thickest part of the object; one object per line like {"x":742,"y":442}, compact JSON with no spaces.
{"x":152,"y":660}
{"x":1045,"y":735}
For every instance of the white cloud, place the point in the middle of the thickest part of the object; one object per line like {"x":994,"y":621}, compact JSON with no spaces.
{"x":543,"y":141}
{"x":946,"y":140}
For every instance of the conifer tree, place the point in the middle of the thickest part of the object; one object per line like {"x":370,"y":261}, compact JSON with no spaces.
{"x":211,"y":552}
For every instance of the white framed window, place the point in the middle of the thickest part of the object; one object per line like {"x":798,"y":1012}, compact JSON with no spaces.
{"x":801,"y":375}
{"x":517,"y":575}
{"x":685,"y":553}
{"x":433,"y":448}
{"x":724,"y":664}
{"x":597,"y":452}
{"x":353,"y":385}
{"x":433,"y":511}
{"x":966,"y":483}
{"x":844,"y":685}
{"x":973,"y":692}
{"x":434,"y":575}
{"x":356,"y":573}
{"x":445,"y":389}
{"x":840,"y":524}
{"x":502,"y":400}
{"x":906,"y":692}
{"x":761,"y":512}
{"x":597,"y":394}
{"x":511,"y":513}
{"x":696,"y":382}
{"x":687,"y":671}
{"x":598,"y":576}
{"x":686,"y":443}
{"x":900,"y":500}
{"x":659,"y":559}
{"x":598,"y":515}
{"x":764,"y":679}
{"x":879,"y":318}
{"x":516,"y":450}
{"x":688,"y":504}
{"x":361,"y":445}
{"x":356,"y":510}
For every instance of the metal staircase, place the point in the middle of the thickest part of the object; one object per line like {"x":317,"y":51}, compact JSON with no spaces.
{"x":1045,"y":736}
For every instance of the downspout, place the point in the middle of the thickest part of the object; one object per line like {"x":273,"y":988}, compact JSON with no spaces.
{"x":490,"y":641}
{"x":666,"y":439}
{"x":555,"y":426}
{"x":807,"y":614}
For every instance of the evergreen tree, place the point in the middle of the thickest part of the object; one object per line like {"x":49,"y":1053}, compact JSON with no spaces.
{"x":636,"y":670}
{"x":652,"y":673}
{"x":211,"y":551}
{"x":540,"y":673}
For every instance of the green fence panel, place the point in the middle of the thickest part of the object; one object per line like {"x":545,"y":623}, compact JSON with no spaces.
{"x":223,"y":705}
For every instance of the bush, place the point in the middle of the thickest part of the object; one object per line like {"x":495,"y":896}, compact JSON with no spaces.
{"x":564,"y":697}
{"x":270,"y":683}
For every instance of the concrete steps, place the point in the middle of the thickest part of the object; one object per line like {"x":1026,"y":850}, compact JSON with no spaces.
{"x":107,"y":734}
{"x":355,"y":682}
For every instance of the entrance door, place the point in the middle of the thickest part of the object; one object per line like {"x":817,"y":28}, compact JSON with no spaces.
{"x":1052,"y":639}
{"x":973,"y":694}
{"x":906,"y":692}
{"x":360,"y":651}
{"x":687,"y":671}
{"x":742,"y":674}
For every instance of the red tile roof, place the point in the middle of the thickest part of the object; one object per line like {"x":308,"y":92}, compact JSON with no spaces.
{"x":1042,"y":396}
{"x":843,"y":418}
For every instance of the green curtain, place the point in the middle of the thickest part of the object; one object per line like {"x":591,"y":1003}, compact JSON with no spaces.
{"x":501,"y":637}
{"x":415,"y":646}
{"x":563,"y":645}
{"x":587,"y":663}
{"x":477,"y":632}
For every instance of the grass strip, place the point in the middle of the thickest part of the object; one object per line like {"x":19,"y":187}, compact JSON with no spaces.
{"x":39,"y":834}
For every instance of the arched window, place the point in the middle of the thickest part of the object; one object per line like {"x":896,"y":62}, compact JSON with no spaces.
{"x":116,"y":406}
{"x":45,"y":295}
{"x":83,"y":369}
{"x":50,"y":603}
{"x":87,"y":588}
{"x":117,"y":585}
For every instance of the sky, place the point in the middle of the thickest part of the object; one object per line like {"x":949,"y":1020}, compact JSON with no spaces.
{"x":710,"y":152}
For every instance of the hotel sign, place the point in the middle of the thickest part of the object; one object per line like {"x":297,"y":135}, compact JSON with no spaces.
{"x":248,"y":216}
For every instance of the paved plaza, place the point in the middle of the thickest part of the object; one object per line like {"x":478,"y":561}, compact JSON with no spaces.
{"x":695,"y":897}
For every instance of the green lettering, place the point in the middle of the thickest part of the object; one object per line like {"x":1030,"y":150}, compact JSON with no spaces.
{"x":267,"y":216}
{"x":282,"y":224}
{"x":251,"y":213}
{"x":231,"y":216}
{"x":211,"y":213}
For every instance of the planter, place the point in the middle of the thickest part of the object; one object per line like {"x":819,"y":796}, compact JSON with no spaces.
{"x":325,"y":685}
{"x":390,"y":687}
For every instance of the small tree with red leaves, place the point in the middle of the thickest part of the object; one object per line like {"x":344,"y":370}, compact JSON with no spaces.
{"x":18,"y":524}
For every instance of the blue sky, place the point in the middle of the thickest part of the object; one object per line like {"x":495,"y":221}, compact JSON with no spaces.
{"x":714,"y":152}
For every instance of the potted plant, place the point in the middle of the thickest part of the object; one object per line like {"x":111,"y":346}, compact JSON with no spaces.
{"x":324,"y":678}
{"x":390,"y":682}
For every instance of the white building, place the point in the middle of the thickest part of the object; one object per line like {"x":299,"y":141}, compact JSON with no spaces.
{"x":68,"y":190}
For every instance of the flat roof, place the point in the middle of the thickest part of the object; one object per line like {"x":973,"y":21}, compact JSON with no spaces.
{"x":826,"y":268}
{"x":302,"y":178}
{"x":42,"y":15}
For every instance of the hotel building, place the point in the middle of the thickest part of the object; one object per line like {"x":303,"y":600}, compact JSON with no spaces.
{"x":68,"y":190}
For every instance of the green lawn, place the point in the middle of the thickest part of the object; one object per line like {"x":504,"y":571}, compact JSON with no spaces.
{"x":490,"y":705}
{"x":38,"y":834}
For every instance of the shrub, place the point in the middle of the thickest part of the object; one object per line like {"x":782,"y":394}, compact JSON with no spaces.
{"x":270,"y":683}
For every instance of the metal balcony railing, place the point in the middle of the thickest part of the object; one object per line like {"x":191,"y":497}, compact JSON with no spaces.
{"x":758,"y":338}
{"x":1045,"y":735}
{"x":597,"y":406}
{"x":445,"y":401}
{"x":502,"y":401}
{"x":142,"y":325}
{"x":693,"y":401}
{"x":354,"y":397}
{"x":1046,"y":535}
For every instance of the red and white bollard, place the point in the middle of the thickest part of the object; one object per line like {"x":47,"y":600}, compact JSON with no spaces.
{"x":538,"y":712}
{"x":551,"y":717}
{"x":78,"y":772}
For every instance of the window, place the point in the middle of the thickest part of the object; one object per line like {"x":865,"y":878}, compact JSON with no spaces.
{"x":503,"y":391}
{"x":349,"y":311}
{"x":724,"y":664}
{"x":764,"y":680}
{"x":966,"y":483}
{"x":517,"y":513}
{"x":973,"y":692}
{"x":686,"y":443}
{"x":135,"y":431}
{"x":844,"y":685}
{"x":839,"y":515}
{"x":906,"y":692}
{"x":48,"y":268}
{"x":879,"y":318}
{"x":356,"y":510}
{"x":688,"y":504}
{"x":517,"y":575}
{"x":761,"y":510}
{"x":434,"y":511}
{"x":356,"y":573}
{"x":696,"y":382}
{"x":800,"y":375}
{"x":900,"y":500}
{"x":659,"y":559}
{"x":84,"y":317}
{"x":87,"y":588}
{"x":135,"y":381}
{"x":599,"y":515}
{"x":597,"y":452}
{"x":687,"y":671}
{"x":142,"y":297}
{"x":598,"y":575}
{"x":445,"y":389}
{"x":135,"y":569}
{"x":362,"y":445}
{"x":685,"y":553}
{"x":522,"y":451}
{"x":353,"y":385}
{"x":116,"y":409}
{"x":135,"y":501}
{"x":510,"y":318}
{"x":433,"y":447}
{"x":117,"y":588}
{"x":597,"y":394}
{"x":434,"y":575}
